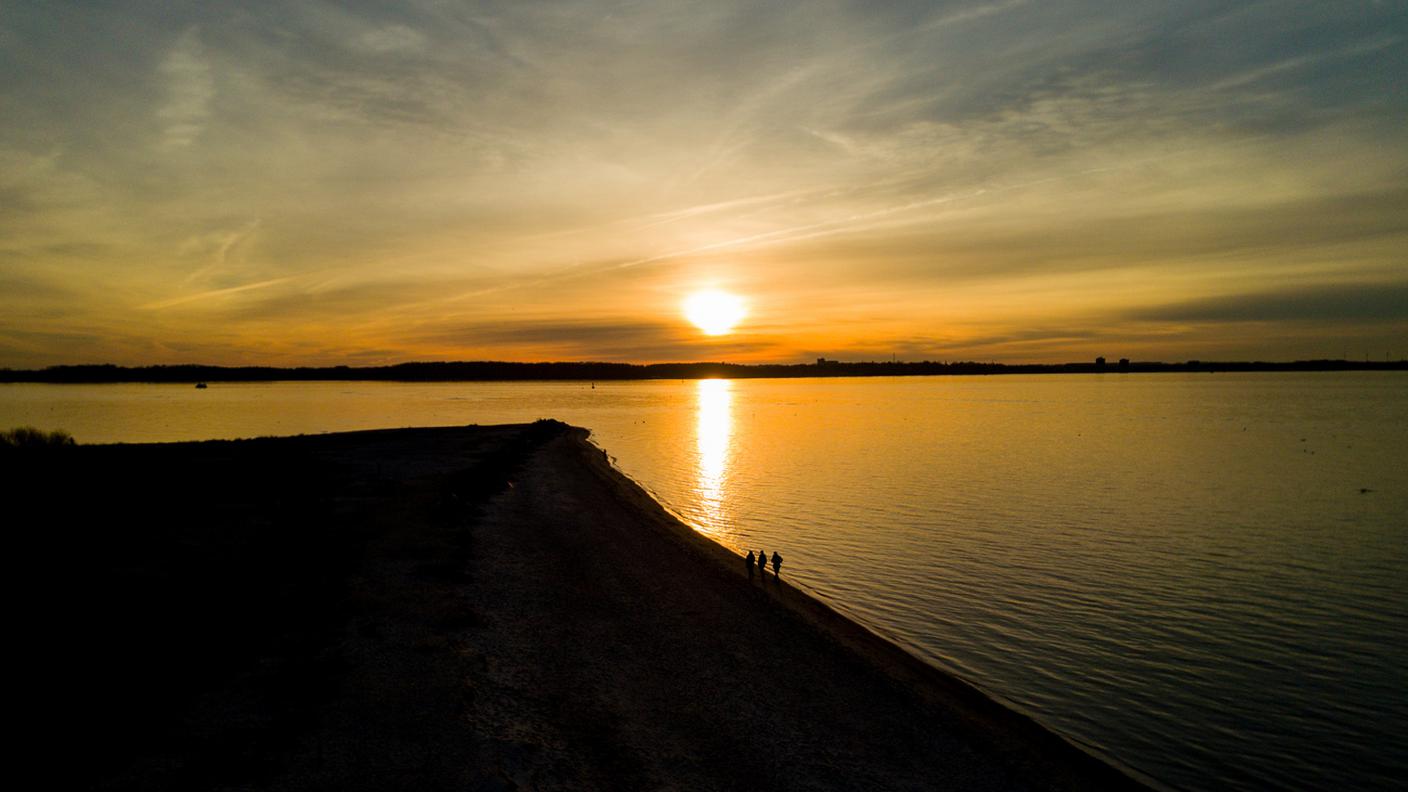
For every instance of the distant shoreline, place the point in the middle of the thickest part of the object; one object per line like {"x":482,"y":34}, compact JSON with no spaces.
{"x":491,"y":371}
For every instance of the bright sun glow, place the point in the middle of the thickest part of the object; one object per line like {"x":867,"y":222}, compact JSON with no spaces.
{"x":714,"y":312}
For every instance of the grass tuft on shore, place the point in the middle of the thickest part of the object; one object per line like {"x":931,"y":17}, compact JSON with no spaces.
{"x":30,"y":437}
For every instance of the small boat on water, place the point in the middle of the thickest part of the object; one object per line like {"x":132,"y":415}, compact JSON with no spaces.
{"x":201,"y":386}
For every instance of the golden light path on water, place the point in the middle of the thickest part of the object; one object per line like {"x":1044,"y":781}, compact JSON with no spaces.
{"x":713,"y":435}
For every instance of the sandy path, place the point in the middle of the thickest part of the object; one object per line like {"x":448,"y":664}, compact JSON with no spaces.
{"x":615,"y":658}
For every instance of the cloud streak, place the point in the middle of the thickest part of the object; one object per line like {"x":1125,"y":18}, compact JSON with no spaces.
{"x":1365,"y":303}
{"x":190,"y":87}
{"x":213,"y":294}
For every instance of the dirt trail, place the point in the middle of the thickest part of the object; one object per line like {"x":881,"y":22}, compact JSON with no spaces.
{"x":615,"y":656}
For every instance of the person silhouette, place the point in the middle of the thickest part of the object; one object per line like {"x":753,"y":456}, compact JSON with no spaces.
{"x":763,"y":563}
{"x":749,"y":562}
{"x":776,"y":564}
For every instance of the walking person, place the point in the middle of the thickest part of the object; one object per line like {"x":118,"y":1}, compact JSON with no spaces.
{"x":763,"y":564}
{"x":749,"y":563}
{"x":776,"y":564}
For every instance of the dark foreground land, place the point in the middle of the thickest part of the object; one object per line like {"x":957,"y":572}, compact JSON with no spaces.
{"x":469,"y":608}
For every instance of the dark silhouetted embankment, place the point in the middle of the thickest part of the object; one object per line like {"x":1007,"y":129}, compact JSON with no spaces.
{"x":467,"y":608}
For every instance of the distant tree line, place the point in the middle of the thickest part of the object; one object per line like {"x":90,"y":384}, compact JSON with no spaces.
{"x":499,"y":371}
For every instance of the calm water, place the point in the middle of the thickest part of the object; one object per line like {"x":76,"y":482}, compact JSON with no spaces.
{"x":1202,"y":576}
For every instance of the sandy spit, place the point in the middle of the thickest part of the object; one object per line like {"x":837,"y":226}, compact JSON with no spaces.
{"x":478,"y":608}
{"x":629,"y":651}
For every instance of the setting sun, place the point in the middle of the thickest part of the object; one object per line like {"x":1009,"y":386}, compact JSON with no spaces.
{"x":714,"y":312}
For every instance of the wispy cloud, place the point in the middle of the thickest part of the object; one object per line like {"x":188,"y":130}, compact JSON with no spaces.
{"x":213,"y":294}
{"x":1259,"y":73}
{"x":604,"y":339}
{"x":189,"y":87}
{"x":215,"y":249}
{"x":389,"y":39}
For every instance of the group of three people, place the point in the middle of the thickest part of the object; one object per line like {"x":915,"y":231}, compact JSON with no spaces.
{"x":762,"y":561}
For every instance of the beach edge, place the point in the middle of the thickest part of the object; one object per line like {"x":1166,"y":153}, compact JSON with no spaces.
{"x":1046,"y":757}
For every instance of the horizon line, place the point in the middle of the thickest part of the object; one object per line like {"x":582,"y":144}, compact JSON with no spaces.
{"x":471,"y":370}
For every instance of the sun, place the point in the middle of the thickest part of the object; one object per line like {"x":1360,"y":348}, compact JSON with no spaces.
{"x":714,"y":312}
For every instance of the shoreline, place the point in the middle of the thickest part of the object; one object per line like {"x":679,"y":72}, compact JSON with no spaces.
{"x":1009,"y":728}
{"x":488,"y":607}
{"x":495,"y":371}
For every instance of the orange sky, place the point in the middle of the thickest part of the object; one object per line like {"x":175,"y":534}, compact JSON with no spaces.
{"x":299,"y":183}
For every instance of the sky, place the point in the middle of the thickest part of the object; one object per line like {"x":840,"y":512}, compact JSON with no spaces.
{"x":308,"y":183}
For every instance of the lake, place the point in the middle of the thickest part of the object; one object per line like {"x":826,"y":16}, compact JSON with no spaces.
{"x":1202,"y":577}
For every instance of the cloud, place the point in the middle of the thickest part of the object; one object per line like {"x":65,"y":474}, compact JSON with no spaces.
{"x":215,"y":249}
{"x":16,"y":287}
{"x":213,"y":294}
{"x":423,"y":166}
{"x":391,"y":38}
{"x":1365,"y":303}
{"x":599,"y":339}
{"x":1300,"y":62}
{"x":189,"y":88}
{"x":344,"y":300}
{"x":539,"y":332}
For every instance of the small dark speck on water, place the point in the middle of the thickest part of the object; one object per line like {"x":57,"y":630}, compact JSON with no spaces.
{"x":1364,"y":490}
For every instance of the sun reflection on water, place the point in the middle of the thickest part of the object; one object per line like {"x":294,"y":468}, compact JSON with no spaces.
{"x":714,"y":434}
